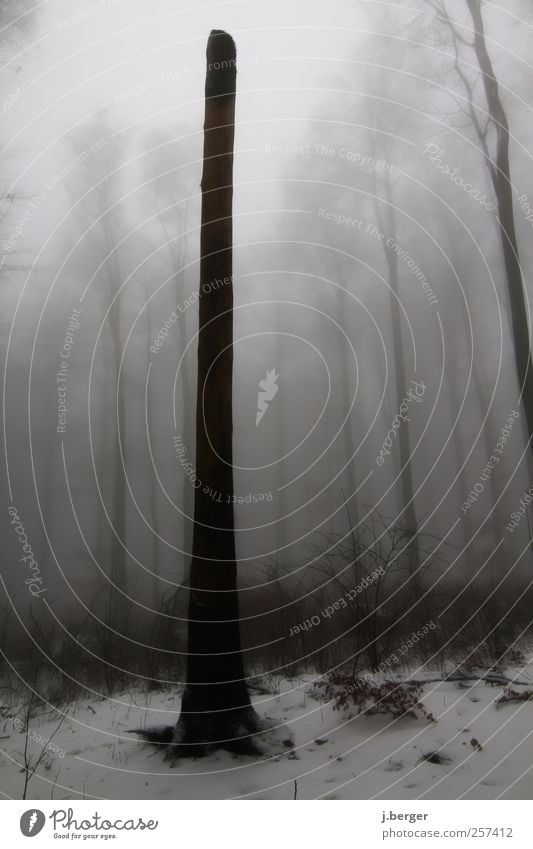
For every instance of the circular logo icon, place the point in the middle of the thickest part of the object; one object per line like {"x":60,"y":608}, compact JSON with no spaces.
{"x":32,"y":822}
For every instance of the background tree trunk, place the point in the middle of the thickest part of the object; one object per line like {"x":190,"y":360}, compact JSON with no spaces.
{"x":407,"y":502}
{"x":500,"y":172}
{"x":216,"y":705}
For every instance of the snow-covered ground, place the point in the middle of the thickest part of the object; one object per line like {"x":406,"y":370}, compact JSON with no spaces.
{"x":337,"y":755}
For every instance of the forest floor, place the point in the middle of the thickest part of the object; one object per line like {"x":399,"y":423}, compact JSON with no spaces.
{"x":336,"y":755}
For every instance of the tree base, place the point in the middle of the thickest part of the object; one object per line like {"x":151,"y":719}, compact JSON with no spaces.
{"x":242,"y":733}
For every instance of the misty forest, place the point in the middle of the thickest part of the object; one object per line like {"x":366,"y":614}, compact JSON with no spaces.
{"x":267,"y":400}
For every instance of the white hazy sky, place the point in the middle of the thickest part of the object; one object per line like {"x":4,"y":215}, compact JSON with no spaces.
{"x":145,"y":62}
{"x":90,"y":54}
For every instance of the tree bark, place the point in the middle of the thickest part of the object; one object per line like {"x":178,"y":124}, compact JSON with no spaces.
{"x":216,"y":706}
{"x":501,"y":180}
{"x":405,"y":461}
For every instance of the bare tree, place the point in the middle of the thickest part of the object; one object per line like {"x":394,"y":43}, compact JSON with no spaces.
{"x":487,"y":122}
{"x":99,"y":217}
{"x":216,"y":707}
{"x":387,"y":224}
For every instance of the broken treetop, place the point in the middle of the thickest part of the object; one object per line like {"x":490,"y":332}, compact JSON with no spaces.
{"x":221,"y":72}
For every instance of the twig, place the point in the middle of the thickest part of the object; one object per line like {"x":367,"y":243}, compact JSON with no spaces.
{"x":489,"y":678}
{"x":513,"y":696}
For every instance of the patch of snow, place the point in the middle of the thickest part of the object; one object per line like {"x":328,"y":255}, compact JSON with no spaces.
{"x":335,"y":754}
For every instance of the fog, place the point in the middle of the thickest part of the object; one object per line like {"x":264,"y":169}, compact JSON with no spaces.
{"x":369,"y":283}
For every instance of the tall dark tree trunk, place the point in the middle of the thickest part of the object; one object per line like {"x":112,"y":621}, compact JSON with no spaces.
{"x":187,"y":496}
{"x":458,"y":444}
{"x":405,"y":460}
{"x":345,"y":365}
{"x":500,"y":173}
{"x":151,"y":404}
{"x":119,"y":601}
{"x":216,"y":707}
